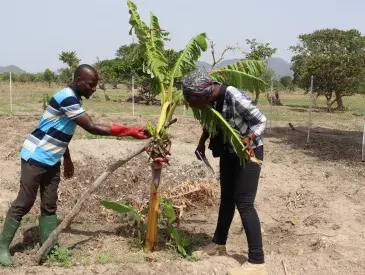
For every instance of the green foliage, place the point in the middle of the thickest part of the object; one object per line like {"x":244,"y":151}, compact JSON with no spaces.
{"x":243,"y":75}
{"x":286,"y":81}
{"x":104,"y":258}
{"x":259,"y":51}
{"x":169,"y":217}
{"x":335,"y":58}
{"x":109,"y":72}
{"x":176,"y":239}
{"x":133,"y":212}
{"x":49,"y":76}
{"x":154,"y":55}
{"x":65,"y":75}
{"x":70,"y":59}
{"x":59,"y":257}
{"x":211,"y":119}
{"x":45,"y":100}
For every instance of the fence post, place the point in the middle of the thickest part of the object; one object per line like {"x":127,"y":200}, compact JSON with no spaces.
{"x":363,"y":144}
{"x":11,"y":95}
{"x":133,"y":95}
{"x":271,"y":95}
{"x":310,"y":109}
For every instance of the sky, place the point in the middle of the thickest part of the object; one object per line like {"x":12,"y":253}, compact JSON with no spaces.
{"x":36,"y":31}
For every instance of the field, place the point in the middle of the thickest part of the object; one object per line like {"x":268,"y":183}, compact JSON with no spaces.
{"x":311,"y":198}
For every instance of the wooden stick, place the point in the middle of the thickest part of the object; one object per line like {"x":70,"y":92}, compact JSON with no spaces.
{"x":286,"y":272}
{"x":76,"y":209}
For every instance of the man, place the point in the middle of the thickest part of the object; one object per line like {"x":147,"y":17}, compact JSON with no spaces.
{"x":42,"y":152}
{"x":238,"y":183}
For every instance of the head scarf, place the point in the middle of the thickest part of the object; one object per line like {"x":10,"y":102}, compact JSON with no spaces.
{"x":197,"y":85}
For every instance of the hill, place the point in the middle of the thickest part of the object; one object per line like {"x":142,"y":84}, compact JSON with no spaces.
{"x":11,"y":68}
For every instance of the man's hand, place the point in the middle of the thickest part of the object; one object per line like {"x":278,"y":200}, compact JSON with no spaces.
{"x":68,"y":168}
{"x":121,"y":131}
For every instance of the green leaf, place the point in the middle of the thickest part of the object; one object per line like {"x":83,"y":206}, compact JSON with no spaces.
{"x":239,"y":79}
{"x":144,"y":211}
{"x":174,"y":234}
{"x":182,"y":250}
{"x":211,"y":119}
{"x":170,"y":213}
{"x":186,"y":242}
{"x":151,"y":42}
{"x":120,"y":208}
{"x":189,"y":56}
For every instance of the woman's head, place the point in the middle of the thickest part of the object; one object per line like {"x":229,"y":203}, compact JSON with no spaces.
{"x":198,"y":88}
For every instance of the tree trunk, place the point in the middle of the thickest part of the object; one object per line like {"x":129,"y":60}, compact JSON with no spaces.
{"x":106,"y":96}
{"x":339,"y":101}
{"x":152,"y":222}
{"x":328,"y":101}
{"x":257,"y":97}
{"x":278,"y":102}
{"x":76,"y":209}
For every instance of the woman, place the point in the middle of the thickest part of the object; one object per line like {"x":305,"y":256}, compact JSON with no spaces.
{"x":238,"y":183}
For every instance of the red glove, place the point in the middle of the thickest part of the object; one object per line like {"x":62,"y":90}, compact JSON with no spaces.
{"x":121,"y":131}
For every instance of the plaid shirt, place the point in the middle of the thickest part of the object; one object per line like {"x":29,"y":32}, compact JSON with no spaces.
{"x":242,"y":115}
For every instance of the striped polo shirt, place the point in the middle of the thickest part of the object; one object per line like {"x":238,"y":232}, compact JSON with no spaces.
{"x":46,"y":145}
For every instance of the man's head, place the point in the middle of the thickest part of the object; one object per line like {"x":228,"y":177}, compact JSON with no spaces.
{"x":85,"y":80}
{"x":198,"y":89}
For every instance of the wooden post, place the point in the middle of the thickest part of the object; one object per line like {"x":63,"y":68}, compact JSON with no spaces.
{"x":11,"y":95}
{"x":271,"y":95}
{"x":132,"y":95}
{"x":310,"y":110}
{"x":363,"y":144}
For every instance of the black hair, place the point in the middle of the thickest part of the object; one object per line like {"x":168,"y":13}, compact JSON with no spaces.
{"x":83,"y":68}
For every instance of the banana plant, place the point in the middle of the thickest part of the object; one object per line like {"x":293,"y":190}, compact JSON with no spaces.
{"x":242,"y":74}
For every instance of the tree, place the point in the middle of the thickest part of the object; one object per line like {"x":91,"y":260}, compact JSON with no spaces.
{"x":109,"y":71}
{"x":335,"y":58}
{"x":132,"y":63}
{"x":72,"y":61}
{"x":261,"y":51}
{"x":49,"y":76}
{"x":286,"y":81}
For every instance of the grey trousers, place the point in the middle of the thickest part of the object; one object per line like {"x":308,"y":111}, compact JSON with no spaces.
{"x":33,"y":177}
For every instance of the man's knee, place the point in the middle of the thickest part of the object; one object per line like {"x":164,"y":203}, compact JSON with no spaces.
{"x":49,"y":207}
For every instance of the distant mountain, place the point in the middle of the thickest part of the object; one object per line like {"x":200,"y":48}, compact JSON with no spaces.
{"x":11,"y":68}
{"x":279,"y":65}
{"x":202,"y":65}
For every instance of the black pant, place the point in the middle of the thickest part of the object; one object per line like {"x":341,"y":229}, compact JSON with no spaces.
{"x":238,"y":188}
{"x":31,"y":178}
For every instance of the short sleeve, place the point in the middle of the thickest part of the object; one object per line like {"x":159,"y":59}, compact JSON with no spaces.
{"x":71,"y":107}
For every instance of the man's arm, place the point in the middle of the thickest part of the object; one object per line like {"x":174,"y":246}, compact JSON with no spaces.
{"x":68,"y":166}
{"x":67,"y":155}
{"x":87,"y":124}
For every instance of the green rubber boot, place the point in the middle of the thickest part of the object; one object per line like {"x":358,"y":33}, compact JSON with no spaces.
{"x":46,"y":225}
{"x":10,"y":227}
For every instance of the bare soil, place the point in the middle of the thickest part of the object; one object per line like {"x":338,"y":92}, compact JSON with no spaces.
{"x":311,"y":202}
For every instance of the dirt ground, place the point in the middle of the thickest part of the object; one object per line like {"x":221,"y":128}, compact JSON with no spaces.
{"x":311,"y":202}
